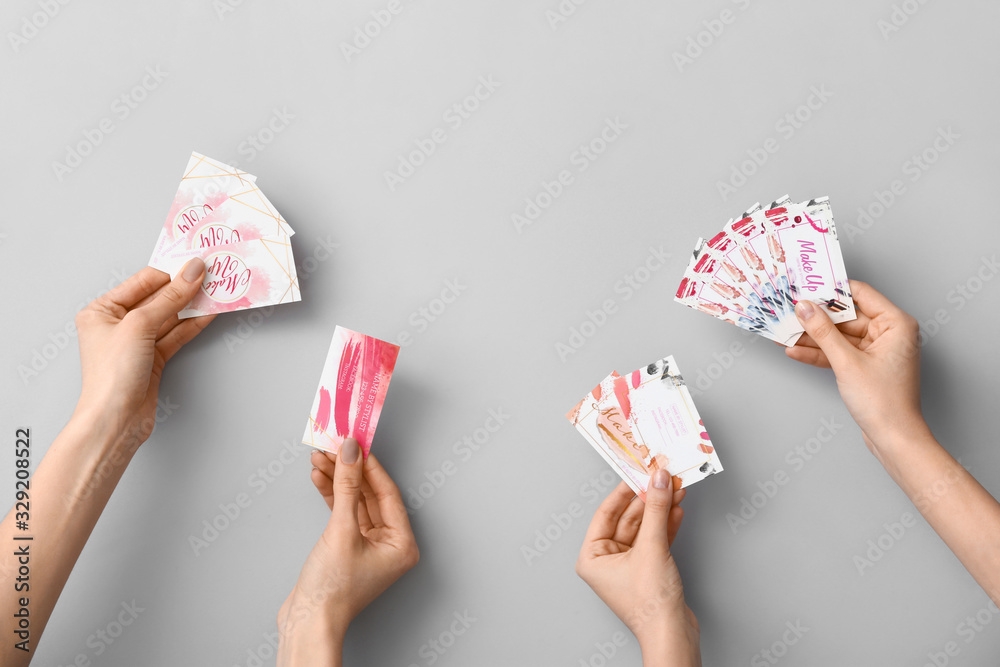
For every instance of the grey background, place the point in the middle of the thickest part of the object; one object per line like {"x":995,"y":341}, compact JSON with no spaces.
{"x":233,"y":405}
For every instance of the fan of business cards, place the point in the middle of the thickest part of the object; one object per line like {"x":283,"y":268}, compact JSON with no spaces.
{"x":646,"y":421}
{"x":220,"y":215}
{"x":756,"y":269}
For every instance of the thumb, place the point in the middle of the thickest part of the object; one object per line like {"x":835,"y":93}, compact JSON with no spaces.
{"x":823,"y":331}
{"x":347,"y":485}
{"x":659,"y":500}
{"x":176,"y":295}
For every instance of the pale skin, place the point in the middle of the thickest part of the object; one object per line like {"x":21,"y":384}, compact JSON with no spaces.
{"x":126,"y":338}
{"x":626,"y":559}
{"x":366,"y":546}
{"x":876,"y":361}
{"x":128,"y":335}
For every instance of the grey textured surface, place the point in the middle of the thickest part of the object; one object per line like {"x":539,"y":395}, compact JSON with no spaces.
{"x":233,"y":404}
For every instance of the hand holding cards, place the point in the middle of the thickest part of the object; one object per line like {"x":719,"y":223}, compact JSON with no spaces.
{"x":351,"y":391}
{"x":759,"y":266}
{"x":220,"y":215}
{"x":644,"y":422}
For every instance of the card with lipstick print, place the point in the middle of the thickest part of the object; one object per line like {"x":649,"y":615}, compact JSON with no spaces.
{"x":811,"y":253}
{"x":220,"y":215}
{"x":351,"y":391}
{"x":646,"y":421}
{"x":755,"y":270}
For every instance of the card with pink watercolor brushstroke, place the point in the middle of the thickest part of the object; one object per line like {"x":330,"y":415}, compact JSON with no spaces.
{"x":220,"y":215}
{"x":243,"y":215}
{"x":239,"y":276}
{"x":645,"y":421}
{"x":663,"y":417}
{"x":205,"y":185}
{"x":599,"y":420}
{"x":351,"y":392}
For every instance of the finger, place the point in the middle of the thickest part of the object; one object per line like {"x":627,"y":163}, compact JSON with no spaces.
{"x":347,"y":486}
{"x":654,"y":532}
{"x":808,"y":355}
{"x":324,"y":485}
{"x":137,"y":287}
{"x":674,"y":523}
{"x":387,"y":495}
{"x":172,"y":299}
{"x":364,"y":518}
{"x":870,"y":301}
{"x":371,"y":503}
{"x":181,"y":335}
{"x":805,"y":340}
{"x":605,"y":521}
{"x":171,"y":321}
{"x":679,"y":493}
{"x":817,"y":324}
{"x":149,"y":297}
{"x":168,"y":326}
{"x":629,"y":522}
{"x":320,"y":460}
{"x":857,"y":328}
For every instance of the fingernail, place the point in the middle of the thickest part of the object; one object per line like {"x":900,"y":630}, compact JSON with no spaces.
{"x":660,"y":478}
{"x":349,"y":451}
{"x":193,"y":270}
{"x":804,"y":310}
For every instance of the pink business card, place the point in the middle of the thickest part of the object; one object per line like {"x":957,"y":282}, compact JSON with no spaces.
{"x":205,"y":185}
{"x":351,"y":391}
{"x":243,"y":275}
{"x":220,"y":215}
{"x":646,"y":421}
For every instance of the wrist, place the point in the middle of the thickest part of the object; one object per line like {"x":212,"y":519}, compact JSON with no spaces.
{"x":97,"y":418}
{"x":310,"y":637}
{"x":99,"y":429}
{"x":890,"y":440}
{"x":302,"y":621}
{"x":675,"y":643}
{"x":108,"y":429}
{"x":90,"y":450}
{"x":300,"y":649}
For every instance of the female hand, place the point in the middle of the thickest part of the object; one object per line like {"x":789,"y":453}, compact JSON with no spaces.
{"x":626,"y":559}
{"x":876,"y":359}
{"x":367,"y":545}
{"x":126,"y":338}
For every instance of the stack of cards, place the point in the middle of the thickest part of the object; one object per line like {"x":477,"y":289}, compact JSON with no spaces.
{"x":351,"y":391}
{"x":645,"y":422}
{"x":756,"y":269}
{"x":220,"y":215}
